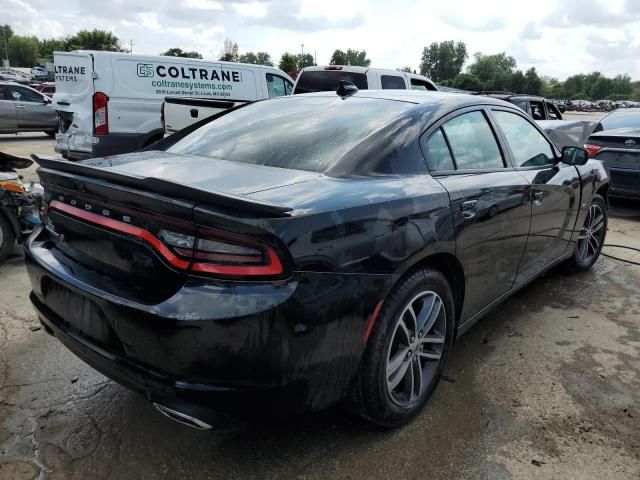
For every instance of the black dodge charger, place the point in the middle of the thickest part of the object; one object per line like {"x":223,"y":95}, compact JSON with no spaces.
{"x":295,"y":252}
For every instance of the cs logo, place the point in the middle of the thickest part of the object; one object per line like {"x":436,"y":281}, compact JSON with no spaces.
{"x":145,"y":70}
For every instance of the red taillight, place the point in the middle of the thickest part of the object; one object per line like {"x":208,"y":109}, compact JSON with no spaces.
{"x":211,"y":252}
{"x":100,"y":114}
{"x":592,"y":150}
{"x":221,"y":253}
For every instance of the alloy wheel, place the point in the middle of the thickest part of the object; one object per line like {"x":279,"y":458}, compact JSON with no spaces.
{"x":590,"y":239}
{"x":417,"y":345}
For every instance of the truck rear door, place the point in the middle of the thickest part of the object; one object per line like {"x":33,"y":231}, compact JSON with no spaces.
{"x":73,"y":100}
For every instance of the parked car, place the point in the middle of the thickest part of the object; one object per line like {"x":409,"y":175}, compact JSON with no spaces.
{"x":261,"y":82}
{"x":39,"y":74}
{"x":19,"y":204}
{"x":11,"y":76}
{"x":46,"y":88}
{"x":537,"y":108}
{"x":616,"y":142}
{"x":327,"y":78}
{"x":294,"y":252}
{"x":24,"y":109}
{"x":121,"y":112}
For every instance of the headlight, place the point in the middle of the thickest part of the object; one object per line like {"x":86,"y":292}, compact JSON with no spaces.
{"x":13,"y":185}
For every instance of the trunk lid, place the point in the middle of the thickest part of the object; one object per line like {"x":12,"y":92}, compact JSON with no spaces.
{"x":128,"y":228}
{"x":620,"y":147}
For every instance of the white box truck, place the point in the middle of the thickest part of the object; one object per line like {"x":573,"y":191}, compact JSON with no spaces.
{"x":109,"y":103}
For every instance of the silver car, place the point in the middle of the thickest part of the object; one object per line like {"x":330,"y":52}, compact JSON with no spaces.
{"x":23,"y":109}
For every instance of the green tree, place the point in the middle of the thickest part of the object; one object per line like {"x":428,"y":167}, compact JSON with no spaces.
{"x":354,"y":58}
{"x":23,"y":51}
{"x":259,"y":58}
{"x":494,"y":71}
{"x":621,"y":85}
{"x":288,"y":62}
{"x":406,"y":69}
{"x":178,"y":52}
{"x":305,"y":60}
{"x":230,"y":51}
{"x":518,"y":82}
{"x":93,"y":40}
{"x":48,"y":46}
{"x":444,"y":60}
{"x":533,"y":83}
{"x":467,"y":81}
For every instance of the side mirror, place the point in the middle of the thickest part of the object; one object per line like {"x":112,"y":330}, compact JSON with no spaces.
{"x":574,"y":156}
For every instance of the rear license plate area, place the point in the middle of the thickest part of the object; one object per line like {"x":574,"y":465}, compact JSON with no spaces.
{"x":80,"y":314}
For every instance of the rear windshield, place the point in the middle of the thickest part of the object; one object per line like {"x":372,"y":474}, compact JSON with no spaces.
{"x":621,"y":120}
{"x":328,"y":80}
{"x":301,"y":133}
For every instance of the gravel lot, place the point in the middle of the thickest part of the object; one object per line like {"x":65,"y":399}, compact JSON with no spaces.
{"x":546,"y":386}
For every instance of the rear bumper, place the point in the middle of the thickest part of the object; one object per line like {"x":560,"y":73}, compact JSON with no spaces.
{"x":218,"y":350}
{"x":112,"y":144}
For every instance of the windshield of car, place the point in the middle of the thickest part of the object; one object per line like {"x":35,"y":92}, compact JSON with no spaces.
{"x":328,"y":80}
{"x":302,"y":133}
{"x":630,"y":119}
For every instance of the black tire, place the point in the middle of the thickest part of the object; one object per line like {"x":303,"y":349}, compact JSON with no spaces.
{"x":51,"y":133}
{"x":373,"y":397}
{"x":7,"y":238}
{"x":579,"y":262}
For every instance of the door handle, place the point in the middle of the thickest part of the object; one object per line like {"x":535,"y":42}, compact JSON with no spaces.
{"x":20,"y":106}
{"x":469,"y":208}
{"x":537,"y":198}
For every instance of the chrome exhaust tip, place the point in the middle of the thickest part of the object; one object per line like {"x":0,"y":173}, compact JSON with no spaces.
{"x":182,"y":418}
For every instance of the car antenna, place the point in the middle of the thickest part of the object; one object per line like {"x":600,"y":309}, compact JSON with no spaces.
{"x":346,"y":89}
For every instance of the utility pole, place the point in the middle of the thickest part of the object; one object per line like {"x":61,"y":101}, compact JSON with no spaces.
{"x":301,"y":56}
{"x":131,"y":49}
{"x":6,"y":48}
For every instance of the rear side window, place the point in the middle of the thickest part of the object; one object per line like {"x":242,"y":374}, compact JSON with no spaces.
{"x":303,"y":133}
{"x":328,"y":80}
{"x":278,"y":86}
{"x":472,"y":142}
{"x":537,"y":111}
{"x":417,"y":84}
{"x":528,"y":145}
{"x":392,"y":82}
{"x":438,"y":151}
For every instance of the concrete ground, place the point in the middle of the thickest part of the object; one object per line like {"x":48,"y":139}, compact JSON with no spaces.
{"x":546,"y":386}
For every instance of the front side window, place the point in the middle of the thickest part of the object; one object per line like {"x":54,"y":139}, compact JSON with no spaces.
{"x":278,"y":86}
{"x":473,"y":143}
{"x":554,"y":113}
{"x":391,"y":82}
{"x":20,"y":94}
{"x":528,"y":145}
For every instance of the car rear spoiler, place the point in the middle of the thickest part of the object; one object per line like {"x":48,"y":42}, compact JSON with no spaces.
{"x":165,"y":187}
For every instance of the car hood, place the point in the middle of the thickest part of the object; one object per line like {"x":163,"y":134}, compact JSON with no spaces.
{"x":203,"y":173}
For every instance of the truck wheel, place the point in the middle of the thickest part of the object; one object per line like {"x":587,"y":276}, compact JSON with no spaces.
{"x":407,"y":350}
{"x":7,"y":238}
{"x":591,"y":238}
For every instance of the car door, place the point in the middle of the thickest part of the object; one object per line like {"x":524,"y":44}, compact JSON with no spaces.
{"x":8,"y":118}
{"x":555,"y":190}
{"x":489,"y":201}
{"x":32,"y":110}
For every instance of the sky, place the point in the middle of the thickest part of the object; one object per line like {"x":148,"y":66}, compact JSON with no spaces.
{"x":559,"y":37}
